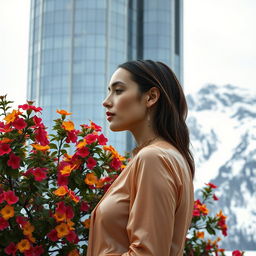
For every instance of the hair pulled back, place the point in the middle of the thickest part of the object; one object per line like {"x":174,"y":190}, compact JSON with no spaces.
{"x":171,"y":109}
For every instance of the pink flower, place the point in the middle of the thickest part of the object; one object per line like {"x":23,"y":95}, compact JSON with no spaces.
{"x":3,"y":223}
{"x":115,"y":163}
{"x":90,"y":138}
{"x":39,"y":173}
{"x":10,"y":197}
{"x":4,"y":149}
{"x":102,"y":140}
{"x":91,"y":163}
{"x":19,"y":124}
{"x":37,"y":120}
{"x":83,"y":152}
{"x":14,"y":161}
{"x":52,"y":235}
{"x":11,"y":249}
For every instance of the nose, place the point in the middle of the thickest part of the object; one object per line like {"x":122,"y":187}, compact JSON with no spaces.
{"x":107,"y":102}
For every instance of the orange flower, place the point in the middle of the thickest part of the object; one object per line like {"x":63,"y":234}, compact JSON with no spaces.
{"x":70,"y":224}
{"x":28,"y":229}
{"x":74,"y":253}
{"x":6,"y":140}
{"x":63,"y":112}
{"x":114,"y":152}
{"x":73,"y":196}
{"x":62,"y":230}
{"x":221,"y":215}
{"x":200,"y":234}
{"x":203,"y":209}
{"x":23,"y":245}
{"x":68,"y":125}
{"x":87,"y":223}
{"x":59,"y":216}
{"x":66,"y":170}
{"x":61,"y":191}
{"x":39,"y":147}
{"x":12,"y":116}
{"x":7,"y":212}
{"x":31,"y":238}
{"x":91,"y":179}
{"x":81,"y":144}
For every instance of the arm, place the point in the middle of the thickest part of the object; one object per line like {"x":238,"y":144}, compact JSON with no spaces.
{"x":152,"y":211}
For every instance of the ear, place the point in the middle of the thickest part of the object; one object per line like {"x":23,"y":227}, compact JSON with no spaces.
{"x":152,"y":96}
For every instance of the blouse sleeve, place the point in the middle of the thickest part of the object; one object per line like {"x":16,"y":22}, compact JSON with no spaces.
{"x":155,"y":196}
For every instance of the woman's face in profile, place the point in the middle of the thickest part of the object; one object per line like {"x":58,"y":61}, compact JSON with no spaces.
{"x":126,"y":107}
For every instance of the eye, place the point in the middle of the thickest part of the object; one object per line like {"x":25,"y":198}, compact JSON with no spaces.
{"x":118,"y":91}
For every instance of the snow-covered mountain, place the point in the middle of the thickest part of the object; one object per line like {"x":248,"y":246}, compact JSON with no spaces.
{"x":222,"y":122}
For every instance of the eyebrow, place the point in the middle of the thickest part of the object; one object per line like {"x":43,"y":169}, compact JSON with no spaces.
{"x":115,"y":84}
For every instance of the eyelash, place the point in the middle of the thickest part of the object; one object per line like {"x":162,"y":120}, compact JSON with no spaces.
{"x":118,"y":91}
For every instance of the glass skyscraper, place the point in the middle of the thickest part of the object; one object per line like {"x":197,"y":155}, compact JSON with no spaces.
{"x":75,"y":46}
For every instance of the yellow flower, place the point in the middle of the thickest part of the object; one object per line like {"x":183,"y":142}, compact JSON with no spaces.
{"x":87,"y":223}
{"x":63,"y":112}
{"x":23,"y":245}
{"x":200,"y":234}
{"x":58,"y":216}
{"x":61,"y":191}
{"x":62,"y":230}
{"x":91,"y":179}
{"x":68,"y":125}
{"x":74,"y":253}
{"x":12,"y":116}
{"x":39,"y":147}
{"x":28,"y":229}
{"x":7,"y":212}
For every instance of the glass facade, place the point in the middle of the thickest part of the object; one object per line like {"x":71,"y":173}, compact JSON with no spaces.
{"x":75,"y":46}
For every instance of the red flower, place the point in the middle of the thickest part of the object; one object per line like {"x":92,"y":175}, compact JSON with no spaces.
{"x":1,"y":197}
{"x":62,"y":180}
{"x":41,"y":135}
{"x":91,"y":163}
{"x":237,"y":253}
{"x":84,"y":207}
{"x":52,"y":235}
{"x":215,"y":197}
{"x":196,"y":212}
{"x":10,"y":197}
{"x":3,"y":223}
{"x":11,"y":249}
{"x":69,"y":212}
{"x":4,"y":149}
{"x":39,"y":173}
{"x":83,"y":152}
{"x":115,"y":163}
{"x":37,"y":120}
{"x":21,"y":220}
{"x":34,"y":251}
{"x":72,"y":237}
{"x":72,"y":136}
{"x":14,"y":161}
{"x":95,"y":127}
{"x":19,"y":124}
{"x":102,"y":140}
{"x":90,"y":138}
{"x":211,"y":185}
{"x":61,"y":208}
{"x":27,"y":107}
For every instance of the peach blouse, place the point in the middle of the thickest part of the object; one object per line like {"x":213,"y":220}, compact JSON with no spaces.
{"x":148,"y":208}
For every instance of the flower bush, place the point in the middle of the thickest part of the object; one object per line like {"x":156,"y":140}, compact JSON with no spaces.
{"x":202,"y":236}
{"x":47,"y":193}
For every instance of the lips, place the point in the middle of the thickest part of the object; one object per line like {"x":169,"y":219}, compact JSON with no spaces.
{"x":109,"y":115}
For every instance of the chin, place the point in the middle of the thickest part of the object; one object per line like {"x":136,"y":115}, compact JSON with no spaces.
{"x":116,"y":128}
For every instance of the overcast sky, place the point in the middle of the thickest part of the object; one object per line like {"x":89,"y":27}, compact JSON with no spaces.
{"x":219,"y":44}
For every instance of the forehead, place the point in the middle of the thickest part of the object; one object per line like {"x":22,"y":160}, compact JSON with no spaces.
{"x":121,"y":75}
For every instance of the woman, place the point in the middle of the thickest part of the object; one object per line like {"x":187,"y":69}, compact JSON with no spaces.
{"x":147,"y":210}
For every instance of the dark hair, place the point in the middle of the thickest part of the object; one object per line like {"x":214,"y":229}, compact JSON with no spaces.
{"x":171,"y":109}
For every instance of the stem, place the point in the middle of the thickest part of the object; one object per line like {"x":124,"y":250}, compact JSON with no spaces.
{"x":59,"y":153}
